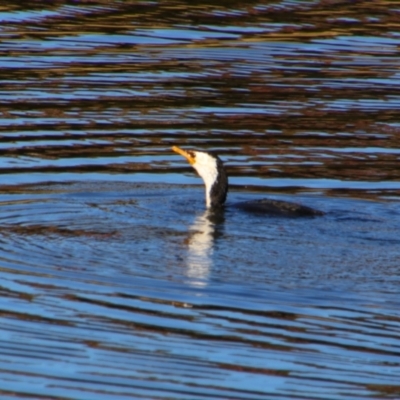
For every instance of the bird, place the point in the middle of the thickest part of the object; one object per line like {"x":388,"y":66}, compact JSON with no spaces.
{"x":211,"y":169}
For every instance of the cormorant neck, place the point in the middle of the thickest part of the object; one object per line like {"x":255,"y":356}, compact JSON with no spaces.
{"x":216,"y":186}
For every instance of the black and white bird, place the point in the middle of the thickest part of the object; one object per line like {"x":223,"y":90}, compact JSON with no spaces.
{"x":211,"y":169}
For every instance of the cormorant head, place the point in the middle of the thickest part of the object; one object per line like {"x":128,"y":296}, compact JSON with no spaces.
{"x":211,"y":170}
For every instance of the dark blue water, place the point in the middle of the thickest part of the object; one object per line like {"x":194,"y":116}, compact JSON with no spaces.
{"x":117,"y":283}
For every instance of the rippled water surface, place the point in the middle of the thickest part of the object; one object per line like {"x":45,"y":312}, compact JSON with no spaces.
{"x":116,"y":282}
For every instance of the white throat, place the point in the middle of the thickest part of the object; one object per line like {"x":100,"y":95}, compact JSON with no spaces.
{"x":206,"y":167}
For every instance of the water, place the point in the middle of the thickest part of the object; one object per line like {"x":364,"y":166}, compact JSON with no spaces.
{"x":116,"y":282}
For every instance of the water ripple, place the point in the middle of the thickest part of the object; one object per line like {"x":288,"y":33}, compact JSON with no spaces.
{"x":116,"y":290}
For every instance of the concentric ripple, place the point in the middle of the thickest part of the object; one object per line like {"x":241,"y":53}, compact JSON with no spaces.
{"x":141,"y":291}
{"x":113,"y":290}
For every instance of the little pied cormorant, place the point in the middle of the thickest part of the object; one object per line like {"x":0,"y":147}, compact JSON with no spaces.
{"x":211,"y":169}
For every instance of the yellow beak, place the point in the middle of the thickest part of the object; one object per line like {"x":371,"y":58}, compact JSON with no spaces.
{"x":185,"y":154}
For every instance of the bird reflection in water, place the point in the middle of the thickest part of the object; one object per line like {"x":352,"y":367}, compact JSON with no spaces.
{"x":202,"y":236}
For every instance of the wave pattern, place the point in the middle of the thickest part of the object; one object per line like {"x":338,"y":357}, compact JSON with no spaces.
{"x":114,"y":289}
{"x":101,"y":295}
{"x":106,"y":88}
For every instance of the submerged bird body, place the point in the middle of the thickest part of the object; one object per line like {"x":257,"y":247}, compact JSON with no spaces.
{"x":211,"y":169}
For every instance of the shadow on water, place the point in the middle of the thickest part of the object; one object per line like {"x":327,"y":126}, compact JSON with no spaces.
{"x":116,"y":283}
